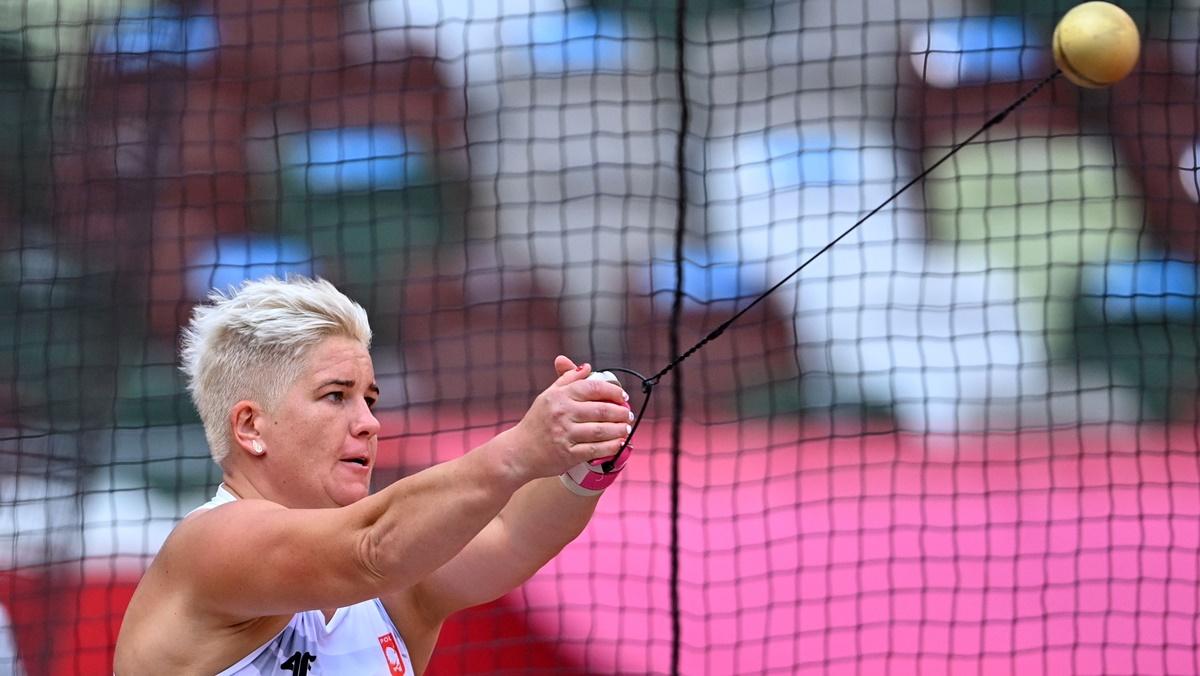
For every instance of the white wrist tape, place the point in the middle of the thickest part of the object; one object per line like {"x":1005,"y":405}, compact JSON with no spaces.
{"x":589,"y":478}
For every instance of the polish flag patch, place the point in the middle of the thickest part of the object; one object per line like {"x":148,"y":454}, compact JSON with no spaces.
{"x":391,"y":653}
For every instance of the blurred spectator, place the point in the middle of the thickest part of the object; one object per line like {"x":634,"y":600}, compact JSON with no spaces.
{"x":1154,"y":114}
{"x":111,"y":157}
{"x":365,"y":200}
{"x":1042,"y":209}
{"x":55,"y":36}
{"x":1137,"y":319}
{"x":775,"y":200}
{"x":573,"y":128}
{"x":471,"y":328}
{"x":970,"y":331}
{"x":180,"y":96}
{"x":775,"y":63}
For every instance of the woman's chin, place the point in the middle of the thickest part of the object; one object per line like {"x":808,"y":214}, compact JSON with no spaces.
{"x":351,"y":489}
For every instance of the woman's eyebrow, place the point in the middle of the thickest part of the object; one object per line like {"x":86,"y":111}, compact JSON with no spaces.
{"x":348,"y":384}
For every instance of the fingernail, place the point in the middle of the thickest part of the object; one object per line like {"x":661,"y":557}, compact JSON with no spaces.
{"x":632,"y":417}
{"x":628,"y":430}
{"x":625,"y":394}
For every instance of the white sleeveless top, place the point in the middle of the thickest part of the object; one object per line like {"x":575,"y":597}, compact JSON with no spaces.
{"x":359,"y":639}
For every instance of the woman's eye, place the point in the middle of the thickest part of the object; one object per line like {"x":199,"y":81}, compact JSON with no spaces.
{"x":371,"y":402}
{"x":336,"y":396}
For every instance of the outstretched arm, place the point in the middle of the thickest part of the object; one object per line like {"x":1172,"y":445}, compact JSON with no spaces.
{"x":254,"y":558}
{"x":388,"y":541}
{"x":541,"y":518}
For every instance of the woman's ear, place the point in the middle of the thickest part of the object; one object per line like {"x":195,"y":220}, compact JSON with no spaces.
{"x":244,"y":418}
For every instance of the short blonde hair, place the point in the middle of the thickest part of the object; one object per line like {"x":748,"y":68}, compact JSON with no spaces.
{"x":252,"y":343}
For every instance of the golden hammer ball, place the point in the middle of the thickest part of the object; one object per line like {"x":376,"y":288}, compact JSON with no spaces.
{"x":1096,"y":44}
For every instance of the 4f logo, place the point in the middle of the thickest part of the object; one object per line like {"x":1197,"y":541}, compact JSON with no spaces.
{"x":298,"y":663}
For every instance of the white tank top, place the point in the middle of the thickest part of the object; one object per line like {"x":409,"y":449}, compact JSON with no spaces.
{"x":359,"y":639}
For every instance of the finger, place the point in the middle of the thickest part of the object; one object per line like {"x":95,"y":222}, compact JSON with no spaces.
{"x":580,"y":372}
{"x":598,"y":390}
{"x":590,"y":433}
{"x":601,"y":412}
{"x":563,"y":364}
{"x":595,"y":450}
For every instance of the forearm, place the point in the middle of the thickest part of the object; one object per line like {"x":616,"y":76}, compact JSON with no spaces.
{"x":543,"y":517}
{"x":574,"y":421}
{"x":420,"y":522}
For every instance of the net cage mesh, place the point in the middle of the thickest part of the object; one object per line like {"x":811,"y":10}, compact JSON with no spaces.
{"x":961,"y":440}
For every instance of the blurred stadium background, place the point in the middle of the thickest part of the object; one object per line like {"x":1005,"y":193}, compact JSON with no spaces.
{"x":965,"y":440}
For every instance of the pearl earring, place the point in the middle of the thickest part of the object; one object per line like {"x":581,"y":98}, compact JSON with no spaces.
{"x":257,"y":447}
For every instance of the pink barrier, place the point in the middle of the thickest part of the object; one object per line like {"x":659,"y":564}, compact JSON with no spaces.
{"x":1073,"y":551}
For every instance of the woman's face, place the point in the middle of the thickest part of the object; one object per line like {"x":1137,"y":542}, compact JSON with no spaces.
{"x":321,"y":437}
